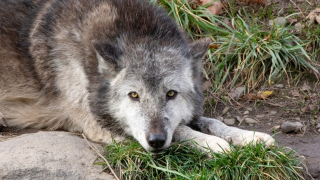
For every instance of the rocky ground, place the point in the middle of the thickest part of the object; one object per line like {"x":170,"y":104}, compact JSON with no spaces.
{"x":290,"y":113}
{"x":292,"y":109}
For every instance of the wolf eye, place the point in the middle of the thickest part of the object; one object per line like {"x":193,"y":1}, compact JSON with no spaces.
{"x":134,"y":96}
{"x":171,"y":94}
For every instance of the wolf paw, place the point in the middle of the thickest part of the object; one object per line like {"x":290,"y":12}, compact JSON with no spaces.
{"x":243,"y":138}
{"x":3,"y":122}
{"x":216,"y":144}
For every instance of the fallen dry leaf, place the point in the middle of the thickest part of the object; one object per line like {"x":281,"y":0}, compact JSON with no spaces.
{"x":314,"y":16}
{"x":294,"y":93}
{"x":206,"y":85}
{"x":305,"y":87}
{"x":258,"y":96}
{"x":213,"y":46}
{"x":215,"y":8}
{"x":265,"y":94}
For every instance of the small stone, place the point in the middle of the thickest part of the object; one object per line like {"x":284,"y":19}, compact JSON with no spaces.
{"x":319,"y":130}
{"x":236,"y":93}
{"x":288,"y":127}
{"x":298,"y":26}
{"x":318,"y":125}
{"x":229,"y":122}
{"x":226,"y":21}
{"x":250,"y":121}
{"x":272,"y":112}
{"x":220,"y":118}
{"x":279,"y":86}
{"x":279,"y":21}
{"x":246,"y":112}
{"x":311,"y":107}
{"x":249,"y":109}
{"x":238,"y":118}
{"x":251,"y":125}
{"x":275,"y":128}
{"x":260,"y":116}
{"x":225,"y":110}
{"x":297,"y":119}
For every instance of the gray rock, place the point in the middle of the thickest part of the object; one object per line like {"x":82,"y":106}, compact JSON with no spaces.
{"x":237,"y":93}
{"x":246,"y":112}
{"x":318,"y":125}
{"x":3,"y":122}
{"x":279,"y":21}
{"x":249,"y":109}
{"x":220,"y":118}
{"x":271,"y":113}
{"x":297,"y":119}
{"x":229,"y":122}
{"x":260,"y":116}
{"x":279,"y":86}
{"x":238,"y":118}
{"x":250,"y":121}
{"x":48,"y":155}
{"x":225,"y":110}
{"x":288,"y":127}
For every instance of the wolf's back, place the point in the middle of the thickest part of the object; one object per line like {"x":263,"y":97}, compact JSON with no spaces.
{"x":49,"y":73}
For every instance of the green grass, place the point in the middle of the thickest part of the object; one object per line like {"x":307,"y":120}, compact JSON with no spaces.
{"x":131,"y":161}
{"x":244,"y":52}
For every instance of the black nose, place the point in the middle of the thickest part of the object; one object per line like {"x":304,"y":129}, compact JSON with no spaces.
{"x":156,"y":140}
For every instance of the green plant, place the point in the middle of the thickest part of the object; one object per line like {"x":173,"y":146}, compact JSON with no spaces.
{"x":180,"y":161}
{"x":242,"y":51}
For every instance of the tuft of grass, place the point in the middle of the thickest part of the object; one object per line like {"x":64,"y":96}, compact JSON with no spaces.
{"x":242,"y":52}
{"x":181,"y":161}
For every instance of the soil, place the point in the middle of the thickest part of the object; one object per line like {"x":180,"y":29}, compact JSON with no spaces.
{"x":294,"y":104}
{"x":294,"y":101}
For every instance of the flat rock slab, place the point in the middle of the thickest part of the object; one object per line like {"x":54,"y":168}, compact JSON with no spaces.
{"x":48,"y":155}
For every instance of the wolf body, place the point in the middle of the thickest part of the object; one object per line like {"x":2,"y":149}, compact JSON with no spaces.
{"x":108,"y":69}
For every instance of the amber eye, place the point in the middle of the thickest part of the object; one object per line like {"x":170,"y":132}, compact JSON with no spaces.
{"x":134,"y":96}
{"x":171,"y":94}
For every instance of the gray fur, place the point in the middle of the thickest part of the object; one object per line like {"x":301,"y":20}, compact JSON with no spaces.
{"x":72,"y":65}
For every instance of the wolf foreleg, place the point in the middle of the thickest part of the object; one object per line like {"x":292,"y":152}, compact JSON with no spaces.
{"x":216,"y":144}
{"x":233,"y":135}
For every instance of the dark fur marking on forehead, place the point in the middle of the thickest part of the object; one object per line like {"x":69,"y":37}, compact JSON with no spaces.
{"x":152,"y":82}
{"x":147,"y":23}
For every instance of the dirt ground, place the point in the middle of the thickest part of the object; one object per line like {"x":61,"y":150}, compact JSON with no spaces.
{"x":294,"y":104}
{"x":297,"y":101}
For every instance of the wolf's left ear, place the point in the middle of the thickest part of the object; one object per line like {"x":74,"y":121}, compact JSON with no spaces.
{"x":108,"y":57}
{"x":197,"y":50}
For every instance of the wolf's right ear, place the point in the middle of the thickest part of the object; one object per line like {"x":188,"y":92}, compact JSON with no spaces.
{"x":108,"y":57}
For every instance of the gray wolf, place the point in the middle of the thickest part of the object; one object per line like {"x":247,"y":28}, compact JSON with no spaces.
{"x":108,"y":69}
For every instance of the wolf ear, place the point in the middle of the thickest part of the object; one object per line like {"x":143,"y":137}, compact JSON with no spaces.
{"x":108,"y":57}
{"x":197,"y":50}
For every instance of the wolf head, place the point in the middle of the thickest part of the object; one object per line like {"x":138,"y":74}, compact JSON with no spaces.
{"x":152,"y":75}
{"x":152,"y":90}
